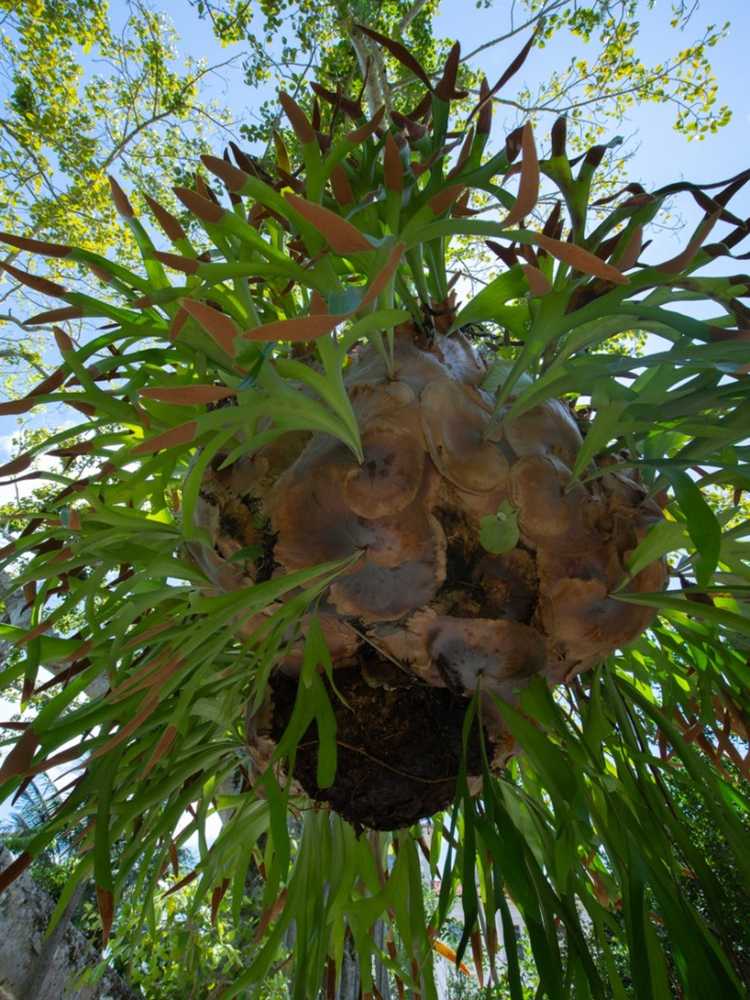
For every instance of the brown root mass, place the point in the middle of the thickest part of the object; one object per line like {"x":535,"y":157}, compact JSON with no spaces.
{"x":424,"y":592}
{"x":398,"y":746}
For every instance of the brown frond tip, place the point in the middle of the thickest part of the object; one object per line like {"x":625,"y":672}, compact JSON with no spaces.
{"x":203,"y":189}
{"x":104,"y":276}
{"x":342,"y":189}
{"x":214,"y":322}
{"x":234,"y":198}
{"x":359,"y":135}
{"x":513,"y":142}
{"x":166,"y":220}
{"x":423,"y":110}
{"x":351,"y":108}
{"x":298,"y":119}
{"x":446,"y":88}
{"x":106,"y":904}
{"x":538,"y":282}
{"x":445,"y":198}
{"x":528,"y":188}
{"x":63,"y":341}
{"x":594,"y":156}
{"x":558,"y":135}
{"x":484,"y":121}
{"x":316,"y":116}
{"x":413,"y":129}
{"x":36,"y":246}
{"x":393,"y":170}
{"x":14,"y":869}
{"x":20,"y":757}
{"x":399,"y":52}
{"x":233,"y":177}
{"x":203,"y":208}
{"x":243,"y":160}
{"x":340,"y":234}
{"x":34,"y":281}
{"x":122,"y":203}
{"x":185,"y":264}
{"x":55,"y":316}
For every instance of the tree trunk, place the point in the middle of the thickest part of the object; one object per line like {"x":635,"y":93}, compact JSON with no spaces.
{"x":381,"y":972}
{"x":26,"y":972}
{"x":349,"y":983}
{"x":40,"y":970}
{"x":16,"y":612}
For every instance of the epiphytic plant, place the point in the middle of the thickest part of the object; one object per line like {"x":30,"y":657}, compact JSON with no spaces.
{"x":355,"y":553}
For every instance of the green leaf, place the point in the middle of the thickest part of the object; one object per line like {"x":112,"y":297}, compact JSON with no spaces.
{"x":325,"y":720}
{"x":499,"y":532}
{"x":606,"y":425}
{"x":596,"y":726}
{"x":373,"y":322}
{"x":342,"y":303}
{"x":558,"y":777}
{"x":661,"y":538}
{"x":702,"y":524}
{"x":670,"y":604}
{"x":51,"y":648}
{"x":490,"y":303}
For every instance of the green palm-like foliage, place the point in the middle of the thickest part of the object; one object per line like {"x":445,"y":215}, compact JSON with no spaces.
{"x":205,"y":351}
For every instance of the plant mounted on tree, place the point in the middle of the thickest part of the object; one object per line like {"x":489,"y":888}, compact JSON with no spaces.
{"x":348,"y":549}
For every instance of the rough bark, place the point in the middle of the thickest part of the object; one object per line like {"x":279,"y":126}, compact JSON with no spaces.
{"x":349,"y":984}
{"x":42,"y":971}
{"x":16,"y":613}
{"x":25,"y":910}
{"x":367,"y":58}
{"x":381,"y":973}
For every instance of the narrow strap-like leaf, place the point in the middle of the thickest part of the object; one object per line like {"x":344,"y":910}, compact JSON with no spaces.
{"x":342,"y":235}
{"x":528,"y":188}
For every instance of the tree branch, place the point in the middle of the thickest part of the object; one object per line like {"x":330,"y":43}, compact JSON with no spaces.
{"x":31,"y":154}
{"x":405,"y":22}
{"x":160,"y":116}
{"x":548,"y":8}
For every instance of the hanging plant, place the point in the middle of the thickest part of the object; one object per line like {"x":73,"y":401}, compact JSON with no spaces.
{"x":345,"y":550}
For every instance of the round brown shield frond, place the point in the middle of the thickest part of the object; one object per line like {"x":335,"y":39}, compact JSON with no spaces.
{"x":426,"y":615}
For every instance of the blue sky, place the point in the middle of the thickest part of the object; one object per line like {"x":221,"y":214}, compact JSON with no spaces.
{"x":663,"y":155}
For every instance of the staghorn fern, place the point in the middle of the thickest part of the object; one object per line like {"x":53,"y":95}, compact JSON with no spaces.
{"x":199,"y":599}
